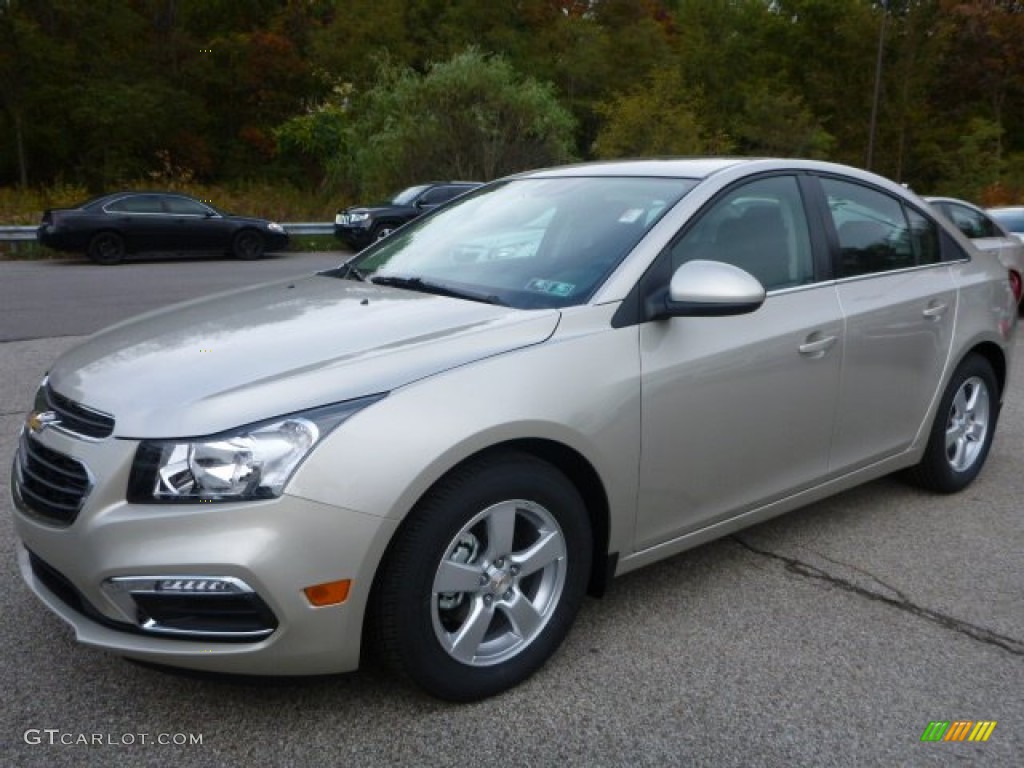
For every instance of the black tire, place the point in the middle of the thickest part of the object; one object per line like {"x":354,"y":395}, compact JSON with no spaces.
{"x":523,"y":607}
{"x":248,"y":245}
{"x":962,"y":433}
{"x":106,"y":248}
{"x":382,"y":230}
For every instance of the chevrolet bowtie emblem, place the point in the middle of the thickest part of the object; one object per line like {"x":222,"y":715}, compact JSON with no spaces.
{"x":37,"y":421}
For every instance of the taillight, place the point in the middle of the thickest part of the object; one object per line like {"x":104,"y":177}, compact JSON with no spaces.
{"x":1015,"y":285}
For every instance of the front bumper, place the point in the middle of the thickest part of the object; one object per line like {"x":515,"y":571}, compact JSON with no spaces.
{"x":354,"y":237}
{"x":275,"y":241}
{"x":277,"y":548}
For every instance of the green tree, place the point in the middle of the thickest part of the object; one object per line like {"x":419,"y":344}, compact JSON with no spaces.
{"x":661,"y":117}
{"x":776,"y":122}
{"x":471,"y":117}
{"x":977,"y":163}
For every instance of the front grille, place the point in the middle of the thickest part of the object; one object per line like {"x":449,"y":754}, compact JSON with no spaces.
{"x":52,"y":486}
{"x":78,"y":419}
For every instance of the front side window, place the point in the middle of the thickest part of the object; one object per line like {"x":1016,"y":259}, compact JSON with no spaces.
{"x":527,"y":243}
{"x":438,"y":195}
{"x":877,"y":233}
{"x":182,"y":206}
{"x":761,"y":228}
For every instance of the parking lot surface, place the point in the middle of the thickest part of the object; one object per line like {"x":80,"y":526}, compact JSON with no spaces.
{"x":831,"y":636}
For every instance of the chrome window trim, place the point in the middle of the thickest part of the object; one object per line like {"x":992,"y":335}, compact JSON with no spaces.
{"x":212,"y":213}
{"x":901,"y":271}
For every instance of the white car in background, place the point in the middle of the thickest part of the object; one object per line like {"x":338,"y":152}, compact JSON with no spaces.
{"x":986,"y":231}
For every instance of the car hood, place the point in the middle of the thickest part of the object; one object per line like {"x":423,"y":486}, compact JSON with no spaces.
{"x":247,"y":220}
{"x":240,"y":357}
{"x":380,"y":208}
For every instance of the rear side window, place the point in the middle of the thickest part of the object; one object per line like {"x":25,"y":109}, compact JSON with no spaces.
{"x":877,"y":232}
{"x":136,"y":204}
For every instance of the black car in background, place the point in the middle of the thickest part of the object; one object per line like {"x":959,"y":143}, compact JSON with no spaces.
{"x":110,"y":227}
{"x":359,"y":226}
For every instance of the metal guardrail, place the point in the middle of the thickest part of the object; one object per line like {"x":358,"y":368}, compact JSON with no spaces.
{"x":14,"y":234}
{"x":20,"y":234}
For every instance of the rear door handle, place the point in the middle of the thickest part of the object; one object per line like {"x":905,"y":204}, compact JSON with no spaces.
{"x":936,"y":309}
{"x":817,"y":345}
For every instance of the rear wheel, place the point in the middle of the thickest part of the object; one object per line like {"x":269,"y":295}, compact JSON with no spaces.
{"x":485,"y":578}
{"x":248,"y":245}
{"x":963,"y":430}
{"x":106,"y":248}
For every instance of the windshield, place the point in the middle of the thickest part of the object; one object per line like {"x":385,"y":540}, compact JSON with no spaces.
{"x":406,"y":196}
{"x":526,"y":243}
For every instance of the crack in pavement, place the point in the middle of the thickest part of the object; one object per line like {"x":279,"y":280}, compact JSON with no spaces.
{"x":900,"y":601}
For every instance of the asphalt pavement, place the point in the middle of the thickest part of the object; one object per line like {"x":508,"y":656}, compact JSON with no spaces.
{"x":829,"y":637}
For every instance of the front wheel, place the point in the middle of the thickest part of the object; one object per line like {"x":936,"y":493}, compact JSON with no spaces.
{"x":963,"y":430}
{"x":381,"y":231}
{"x":248,"y":245}
{"x":485,"y":578}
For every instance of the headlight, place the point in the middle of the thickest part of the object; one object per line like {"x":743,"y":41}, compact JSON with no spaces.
{"x":275,"y":227}
{"x":355,"y":218}
{"x":252,"y":462}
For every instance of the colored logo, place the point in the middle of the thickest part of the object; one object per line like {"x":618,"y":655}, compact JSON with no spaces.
{"x":958,"y":730}
{"x":37,"y":421}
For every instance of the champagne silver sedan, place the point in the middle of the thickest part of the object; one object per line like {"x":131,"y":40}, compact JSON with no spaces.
{"x":436,"y":450}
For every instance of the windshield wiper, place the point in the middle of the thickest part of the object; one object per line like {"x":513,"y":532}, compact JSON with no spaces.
{"x":425,"y":286}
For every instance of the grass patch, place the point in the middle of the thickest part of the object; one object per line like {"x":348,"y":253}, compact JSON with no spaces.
{"x":27,"y":250}
{"x":315,"y":243}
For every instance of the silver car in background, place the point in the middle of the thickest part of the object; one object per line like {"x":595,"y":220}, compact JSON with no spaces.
{"x":434,"y":451}
{"x":1010,"y":218}
{"x":988,"y":235}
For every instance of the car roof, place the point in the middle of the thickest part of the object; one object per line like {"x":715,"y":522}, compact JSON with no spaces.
{"x":102,"y":200}
{"x":954,"y":201}
{"x":701,"y":168}
{"x":686,"y":167}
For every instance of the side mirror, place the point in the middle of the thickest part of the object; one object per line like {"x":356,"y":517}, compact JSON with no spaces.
{"x":707,"y":289}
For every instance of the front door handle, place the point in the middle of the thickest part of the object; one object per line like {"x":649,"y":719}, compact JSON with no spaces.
{"x":817,"y":345}
{"x":936,"y":309}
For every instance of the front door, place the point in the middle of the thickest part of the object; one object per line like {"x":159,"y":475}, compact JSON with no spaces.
{"x":738,"y":411}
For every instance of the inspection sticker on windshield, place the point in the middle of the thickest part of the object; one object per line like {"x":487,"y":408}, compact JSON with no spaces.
{"x":553,"y":287}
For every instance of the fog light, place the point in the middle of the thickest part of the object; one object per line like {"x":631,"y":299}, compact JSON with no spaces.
{"x":330,"y":593}
{"x":192,"y":607}
{"x":203,"y":586}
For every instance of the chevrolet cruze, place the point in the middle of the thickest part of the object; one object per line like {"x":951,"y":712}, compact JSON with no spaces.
{"x":437,"y":449}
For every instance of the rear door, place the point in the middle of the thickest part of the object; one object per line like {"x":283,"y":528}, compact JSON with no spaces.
{"x":141,"y":220}
{"x":899,"y":302}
